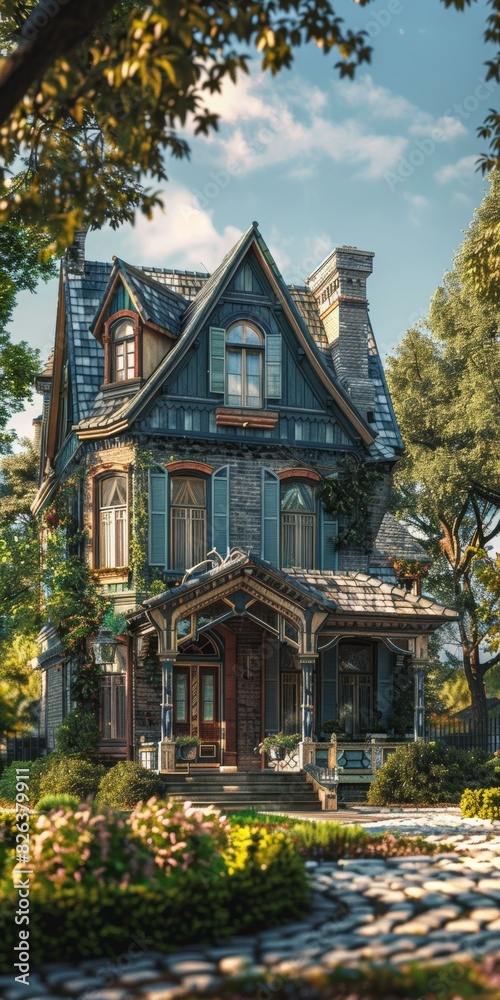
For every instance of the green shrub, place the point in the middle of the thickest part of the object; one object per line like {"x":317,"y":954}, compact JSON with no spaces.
{"x":79,"y":733}
{"x":330,"y":841}
{"x":429,"y":773}
{"x":35,"y":769}
{"x":267,"y":878}
{"x":484,"y":803}
{"x":69,"y":846}
{"x":74,"y":775}
{"x":80,"y":922}
{"x":180,"y":836}
{"x":126,"y":784}
{"x":50,"y":802}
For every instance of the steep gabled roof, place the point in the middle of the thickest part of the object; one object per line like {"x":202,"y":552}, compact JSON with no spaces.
{"x":192,"y":321}
{"x":157,"y":302}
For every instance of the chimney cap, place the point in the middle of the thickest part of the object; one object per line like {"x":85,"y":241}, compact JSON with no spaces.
{"x":341,"y":257}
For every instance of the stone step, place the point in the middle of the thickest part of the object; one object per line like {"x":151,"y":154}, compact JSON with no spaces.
{"x":228,"y":805}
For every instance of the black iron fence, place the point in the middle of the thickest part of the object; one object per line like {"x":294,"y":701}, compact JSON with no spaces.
{"x":26,"y":748}
{"x":465,"y":734}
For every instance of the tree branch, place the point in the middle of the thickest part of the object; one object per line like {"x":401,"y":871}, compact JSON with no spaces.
{"x":58,"y":35}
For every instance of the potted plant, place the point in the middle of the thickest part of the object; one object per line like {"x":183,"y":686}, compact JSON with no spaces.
{"x":330,"y":726}
{"x":279,"y":745}
{"x":187,"y":747}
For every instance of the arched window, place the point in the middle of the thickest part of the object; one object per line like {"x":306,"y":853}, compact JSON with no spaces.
{"x":244,"y":361}
{"x":298,"y":523}
{"x":112,"y":521}
{"x":123,"y":365}
{"x":188,"y":521}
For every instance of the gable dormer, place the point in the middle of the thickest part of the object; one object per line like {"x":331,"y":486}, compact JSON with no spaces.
{"x":137,"y":323}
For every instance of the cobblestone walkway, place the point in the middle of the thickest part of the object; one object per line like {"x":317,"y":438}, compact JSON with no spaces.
{"x":430,"y":909}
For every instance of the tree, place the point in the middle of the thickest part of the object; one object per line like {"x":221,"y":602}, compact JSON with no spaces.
{"x":445,"y":383}
{"x":93,"y":95}
{"x":23,"y":263}
{"x":479,"y":255}
{"x":19,"y":547}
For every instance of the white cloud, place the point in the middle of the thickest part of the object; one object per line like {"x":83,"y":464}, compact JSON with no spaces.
{"x":418,"y":204}
{"x":291,"y":141}
{"x":462,"y":170}
{"x":380,"y":101}
{"x":183,"y":235}
{"x":443,"y":129}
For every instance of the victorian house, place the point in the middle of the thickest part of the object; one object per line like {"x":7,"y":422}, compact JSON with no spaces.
{"x":204,"y":414}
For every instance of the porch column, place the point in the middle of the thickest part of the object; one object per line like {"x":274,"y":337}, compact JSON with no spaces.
{"x":420,"y":662}
{"x":167,"y":698}
{"x":307,"y":667}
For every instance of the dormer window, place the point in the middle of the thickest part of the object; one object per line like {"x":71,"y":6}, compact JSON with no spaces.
{"x":121,"y":341}
{"x":123,"y":351}
{"x":244,"y":360}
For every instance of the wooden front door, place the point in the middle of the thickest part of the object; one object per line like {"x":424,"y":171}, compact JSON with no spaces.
{"x":196,"y":699}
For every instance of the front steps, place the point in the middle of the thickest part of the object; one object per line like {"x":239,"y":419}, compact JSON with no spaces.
{"x":265,"y":791}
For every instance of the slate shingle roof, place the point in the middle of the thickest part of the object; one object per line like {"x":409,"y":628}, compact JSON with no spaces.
{"x":363,"y":594}
{"x":395,"y":540}
{"x":388,"y":441}
{"x":341,"y":593}
{"x":156,"y":301}
{"x":83,"y":293}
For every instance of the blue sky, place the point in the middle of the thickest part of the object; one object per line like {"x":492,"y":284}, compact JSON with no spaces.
{"x":386,"y":163}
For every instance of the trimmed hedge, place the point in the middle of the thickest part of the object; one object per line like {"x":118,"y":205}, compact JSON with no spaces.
{"x":101,"y":879}
{"x":81,"y":922}
{"x":267,"y":878}
{"x":429,"y":774}
{"x":50,"y":802}
{"x":126,"y":784}
{"x":483,"y":803}
{"x":68,"y":775}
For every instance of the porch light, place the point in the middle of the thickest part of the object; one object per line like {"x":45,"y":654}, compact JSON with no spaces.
{"x":103,"y":647}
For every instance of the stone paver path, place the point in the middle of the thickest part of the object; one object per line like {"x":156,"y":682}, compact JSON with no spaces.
{"x":423,"y":909}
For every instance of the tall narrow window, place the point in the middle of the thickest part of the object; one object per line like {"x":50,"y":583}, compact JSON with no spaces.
{"x":113,"y":532}
{"x":188,"y":521}
{"x":112,"y":697}
{"x":245,"y":352}
{"x":297,"y":525}
{"x":123,"y":348}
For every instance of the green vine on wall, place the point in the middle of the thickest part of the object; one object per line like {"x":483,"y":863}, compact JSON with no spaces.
{"x":71,"y":595}
{"x":348,"y":497}
{"x":138,"y":547}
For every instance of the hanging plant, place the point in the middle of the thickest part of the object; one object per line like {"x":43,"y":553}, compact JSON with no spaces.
{"x":348,"y":496}
{"x":409,"y":569}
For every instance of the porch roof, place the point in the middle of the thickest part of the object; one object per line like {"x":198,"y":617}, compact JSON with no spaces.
{"x":340,"y":594}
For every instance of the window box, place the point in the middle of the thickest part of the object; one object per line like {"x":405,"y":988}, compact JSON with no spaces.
{"x":226,"y":416}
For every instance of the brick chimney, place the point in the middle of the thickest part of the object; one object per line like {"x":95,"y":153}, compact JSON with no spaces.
{"x":339,"y":285}
{"x":75,"y":254}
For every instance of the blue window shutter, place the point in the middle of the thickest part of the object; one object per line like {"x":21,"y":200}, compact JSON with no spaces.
{"x":270,"y":517}
{"x":220,"y":511}
{"x":273,"y":366}
{"x":329,"y":549}
{"x":329,"y":679}
{"x":158,"y":519}
{"x":217,"y":351}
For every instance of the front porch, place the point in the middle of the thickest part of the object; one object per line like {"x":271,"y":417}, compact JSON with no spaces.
{"x":247,"y":651}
